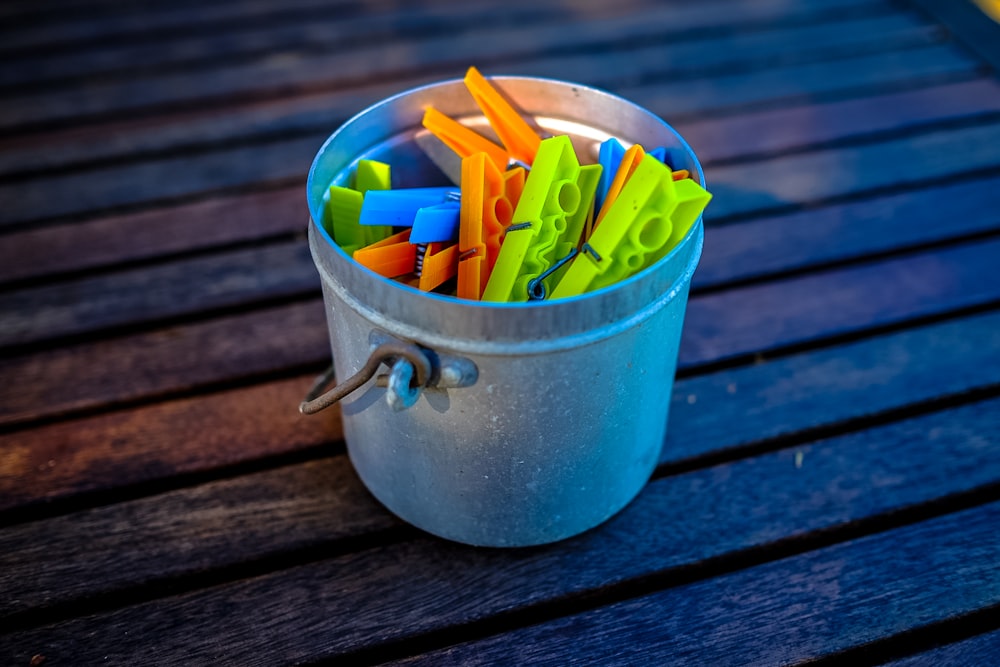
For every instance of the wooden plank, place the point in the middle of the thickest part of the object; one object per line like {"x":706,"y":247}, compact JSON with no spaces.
{"x":158,"y":293}
{"x":784,"y":612}
{"x":331,"y":33}
{"x":800,"y":179}
{"x":720,"y":326}
{"x":288,"y":339}
{"x":982,"y":649}
{"x":759,"y":247}
{"x":323,"y":29}
{"x":811,"y":392}
{"x":391,"y":593}
{"x":157,"y":181}
{"x":442,"y":60}
{"x":165,"y":21}
{"x":777,"y":130}
{"x":802,"y":393}
{"x":141,"y":446}
{"x":805,"y":83}
{"x":745,"y":321}
{"x":153,"y":234}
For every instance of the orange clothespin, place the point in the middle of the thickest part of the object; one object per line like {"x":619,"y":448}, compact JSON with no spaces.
{"x":440,"y":263}
{"x":391,"y":257}
{"x":627,"y":167}
{"x":488,"y":200}
{"x":462,"y":139}
{"x":681,"y":174}
{"x":520,"y":140}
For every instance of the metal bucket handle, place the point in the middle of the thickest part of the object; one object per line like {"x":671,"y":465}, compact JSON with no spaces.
{"x":412,"y":369}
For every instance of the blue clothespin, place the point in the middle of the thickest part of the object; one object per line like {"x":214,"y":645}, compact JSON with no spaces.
{"x":609,"y":156}
{"x":672,"y":157}
{"x":398,"y":208}
{"x":436,"y":223}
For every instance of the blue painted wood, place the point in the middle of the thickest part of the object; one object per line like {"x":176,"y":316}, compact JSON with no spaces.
{"x":397,"y":591}
{"x":783,"y":612}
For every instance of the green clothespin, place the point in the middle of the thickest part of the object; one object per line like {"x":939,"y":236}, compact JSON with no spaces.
{"x":343,"y":207}
{"x":650,"y":216}
{"x":373,"y":175}
{"x":548,"y":219}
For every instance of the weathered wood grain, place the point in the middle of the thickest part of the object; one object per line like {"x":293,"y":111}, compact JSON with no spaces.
{"x":130,"y":448}
{"x":844,"y":384}
{"x":153,"y":234}
{"x":831,"y":303}
{"x":398,"y":61}
{"x":783,"y":612}
{"x":397,"y":591}
{"x":800,"y":179}
{"x":422,"y":28}
{"x":202,"y":284}
{"x":759,"y":247}
{"x":287,"y":339}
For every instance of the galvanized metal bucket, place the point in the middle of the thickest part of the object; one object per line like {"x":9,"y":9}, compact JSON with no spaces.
{"x":500,"y":424}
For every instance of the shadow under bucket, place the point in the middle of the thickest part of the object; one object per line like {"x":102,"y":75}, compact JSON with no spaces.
{"x":547,"y":417}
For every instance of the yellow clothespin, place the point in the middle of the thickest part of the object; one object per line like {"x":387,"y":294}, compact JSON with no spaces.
{"x":520,"y":140}
{"x":650,"y":216}
{"x":488,"y":200}
{"x":552,"y":208}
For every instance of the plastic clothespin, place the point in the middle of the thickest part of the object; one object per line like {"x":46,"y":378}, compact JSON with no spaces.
{"x":440,"y":263}
{"x":555,"y":201}
{"x":650,"y":216}
{"x":436,"y":223}
{"x":609,"y":156}
{"x":462,"y":139}
{"x":630,"y":161}
{"x":398,"y":208}
{"x":661,"y":155}
{"x":373,"y":175}
{"x":343,"y":210}
{"x":390,"y":257}
{"x":520,"y":140}
{"x":488,"y":200}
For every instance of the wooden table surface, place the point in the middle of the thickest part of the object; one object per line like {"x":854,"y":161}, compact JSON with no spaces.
{"x":828,"y":492}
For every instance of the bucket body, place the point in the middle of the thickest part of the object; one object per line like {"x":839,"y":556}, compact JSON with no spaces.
{"x":566,"y":419}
